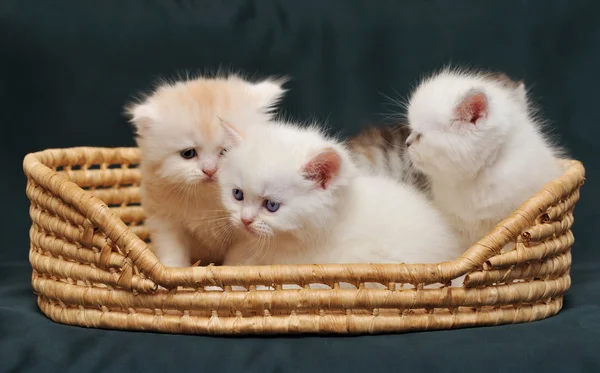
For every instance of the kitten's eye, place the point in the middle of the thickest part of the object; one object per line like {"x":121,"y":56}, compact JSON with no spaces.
{"x":223,"y":151}
{"x":238,"y":194}
{"x":272,"y":206}
{"x":188,"y":153}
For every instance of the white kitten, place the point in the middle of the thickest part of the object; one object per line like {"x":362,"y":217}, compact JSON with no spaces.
{"x":182,"y":142}
{"x":297,"y":198}
{"x":476,"y":140}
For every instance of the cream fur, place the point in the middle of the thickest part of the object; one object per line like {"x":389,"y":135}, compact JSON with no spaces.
{"x":186,"y":220}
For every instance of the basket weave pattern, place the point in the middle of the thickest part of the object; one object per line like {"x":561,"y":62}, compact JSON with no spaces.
{"x":92,"y":266}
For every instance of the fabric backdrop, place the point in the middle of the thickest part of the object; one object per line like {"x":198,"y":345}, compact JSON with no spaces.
{"x":67,"y":67}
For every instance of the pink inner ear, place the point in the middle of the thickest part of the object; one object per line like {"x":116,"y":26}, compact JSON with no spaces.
{"x":473,"y":107}
{"x":323,"y":168}
{"x":233,"y":134}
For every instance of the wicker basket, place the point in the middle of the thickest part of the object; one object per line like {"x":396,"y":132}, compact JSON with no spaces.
{"x":92,"y":266}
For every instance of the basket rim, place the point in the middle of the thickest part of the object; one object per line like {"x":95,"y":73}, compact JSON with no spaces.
{"x":37,"y":167}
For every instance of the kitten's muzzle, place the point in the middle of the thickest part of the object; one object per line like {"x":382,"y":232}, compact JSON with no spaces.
{"x":247,"y":224}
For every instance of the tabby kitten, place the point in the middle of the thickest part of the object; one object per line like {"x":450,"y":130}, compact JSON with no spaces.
{"x":382,"y":150}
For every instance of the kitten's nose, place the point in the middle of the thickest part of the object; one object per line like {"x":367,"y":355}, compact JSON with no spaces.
{"x":209,"y":171}
{"x":247,"y":221}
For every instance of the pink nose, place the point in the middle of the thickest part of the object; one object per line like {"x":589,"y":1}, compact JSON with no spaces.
{"x":209,"y":171}
{"x":247,"y":222}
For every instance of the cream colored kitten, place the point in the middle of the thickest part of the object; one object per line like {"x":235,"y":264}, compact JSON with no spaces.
{"x":475,"y":138}
{"x":182,"y":142}
{"x":296,"y":197}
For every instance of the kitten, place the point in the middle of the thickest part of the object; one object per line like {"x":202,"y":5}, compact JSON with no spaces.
{"x":381,"y":150}
{"x":182,"y":142}
{"x":297,"y":197}
{"x":476,"y":139}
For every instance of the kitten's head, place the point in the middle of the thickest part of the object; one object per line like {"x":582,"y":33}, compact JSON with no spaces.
{"x":282,"y":178}
{"x":179,"y":129}
{"x":460,"y":121}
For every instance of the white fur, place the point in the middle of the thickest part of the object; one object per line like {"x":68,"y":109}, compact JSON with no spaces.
{"x":357,"y":218}
{"x":480,"y":173}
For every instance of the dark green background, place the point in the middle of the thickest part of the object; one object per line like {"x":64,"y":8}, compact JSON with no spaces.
{"x":67,"y":68}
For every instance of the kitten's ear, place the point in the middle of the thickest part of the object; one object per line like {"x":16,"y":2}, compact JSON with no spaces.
{"x":142,"y":116}
{"x":268,"y":93}
{"x":233,"y":134}
{"x":521,"y":92}
{"x":473,"y":107}
{"x":323,"y":168}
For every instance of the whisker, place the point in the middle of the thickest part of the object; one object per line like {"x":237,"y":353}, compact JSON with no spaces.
{"x":267,"y":251}
{"x":223,"y":234}
{"x":205,"y":219}
{"x":215,"y":228}
{"x":256,"y":247}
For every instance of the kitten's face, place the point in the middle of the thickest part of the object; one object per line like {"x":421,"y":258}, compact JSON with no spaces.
{"x":188,"y":150}
{"x":264,"y":205}
{"x":179,"y":127}
{"x":270,"y":185}
{"x":459,"y":123}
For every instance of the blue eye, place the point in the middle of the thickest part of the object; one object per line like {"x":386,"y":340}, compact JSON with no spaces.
{"x":238,"y":194}
{"x":272,"y":206}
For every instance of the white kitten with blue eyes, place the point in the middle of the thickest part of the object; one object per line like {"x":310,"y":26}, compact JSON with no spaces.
{"x":474,"y":136}
{"x":297,"y":198}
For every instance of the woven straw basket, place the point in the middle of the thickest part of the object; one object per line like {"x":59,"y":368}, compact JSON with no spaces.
{"x":92,"y":266}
